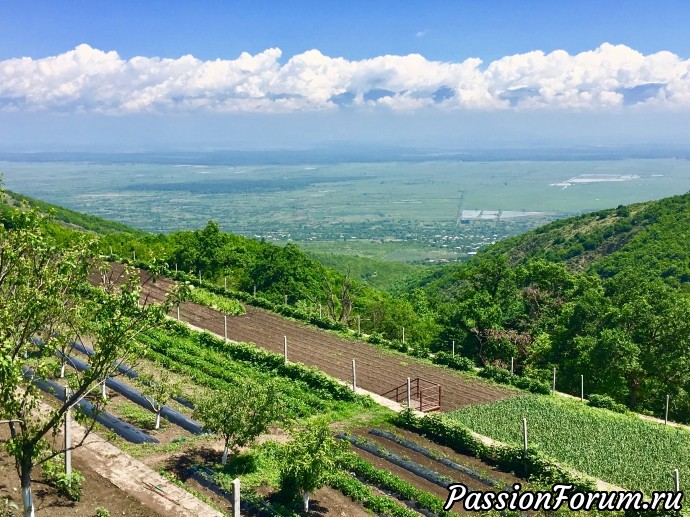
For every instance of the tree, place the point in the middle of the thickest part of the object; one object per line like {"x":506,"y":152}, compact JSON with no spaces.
{"x":240,"y":414}
{"x":308,"y":458}
{"x":158,"y":390}
{"x":45,"y":294}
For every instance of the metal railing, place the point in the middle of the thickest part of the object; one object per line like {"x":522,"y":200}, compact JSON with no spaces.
{"x":424,"y":395}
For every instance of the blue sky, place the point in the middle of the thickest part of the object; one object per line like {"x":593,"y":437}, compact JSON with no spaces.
{"x":355,"y":29}
{"x":95,"y":75}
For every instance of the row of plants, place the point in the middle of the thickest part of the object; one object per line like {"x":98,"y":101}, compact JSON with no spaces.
{"x":621,"y":449}
{"x":503,"y":376}
{"x":358,"y":491}
{"x":451,"y":433}
{"x":387,"y":481}
{"x":269,"y":362}
{"x":213,"y":370}
{"x":226,"y":305}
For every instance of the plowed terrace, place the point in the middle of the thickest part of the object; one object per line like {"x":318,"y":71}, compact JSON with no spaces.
{"x":378,"y":370}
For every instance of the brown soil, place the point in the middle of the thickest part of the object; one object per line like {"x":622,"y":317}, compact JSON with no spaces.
{"x":96,"y":491}
{"x":378,"y":370}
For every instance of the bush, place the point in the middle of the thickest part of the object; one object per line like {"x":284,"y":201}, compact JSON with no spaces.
{"x":457,"y":362}
{"x":606,"y":402}
{"x":502,"y":376}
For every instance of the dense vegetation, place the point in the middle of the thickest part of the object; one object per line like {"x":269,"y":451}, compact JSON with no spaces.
{"x":606,"y":296}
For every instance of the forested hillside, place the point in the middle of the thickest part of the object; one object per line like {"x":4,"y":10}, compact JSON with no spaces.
{"x":604,"y":295}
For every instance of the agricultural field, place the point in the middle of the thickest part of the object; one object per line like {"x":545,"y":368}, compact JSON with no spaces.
{"x":379,"y":370}
{"x":621,"y":449}
{"x":434,"y":205}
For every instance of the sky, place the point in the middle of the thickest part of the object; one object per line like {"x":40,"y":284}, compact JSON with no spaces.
{"x":132,"y":75}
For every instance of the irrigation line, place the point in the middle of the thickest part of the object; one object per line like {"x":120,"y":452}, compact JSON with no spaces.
{"x":445,"y":461}
{"x":411,"y":466}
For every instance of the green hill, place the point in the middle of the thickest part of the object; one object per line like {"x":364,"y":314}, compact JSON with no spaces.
{"x":605,"y":296}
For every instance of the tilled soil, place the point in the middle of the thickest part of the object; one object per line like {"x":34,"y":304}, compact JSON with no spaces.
{"x":96,"y":491}
{"x":378,"y":370}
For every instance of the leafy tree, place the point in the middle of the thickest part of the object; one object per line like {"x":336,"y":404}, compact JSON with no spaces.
{"x":308,"y":459}
{"x":239,"y":415}
{"x":46,"y":295}
{"x":158,"y":389}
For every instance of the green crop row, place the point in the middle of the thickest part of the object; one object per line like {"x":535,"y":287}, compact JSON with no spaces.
{"x":621,"y":449}
{"x":384,"y":479}
{"x":223,"y":304}
{"x":451,"y":433}
{"x":271,"y":363}
{"x":358,"y":491}
{"x":210,"y":369}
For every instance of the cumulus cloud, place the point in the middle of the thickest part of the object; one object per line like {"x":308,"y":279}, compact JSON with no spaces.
{"x":91,"y":80}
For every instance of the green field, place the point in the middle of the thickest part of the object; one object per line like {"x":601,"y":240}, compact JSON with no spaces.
{"x":624,"y":450}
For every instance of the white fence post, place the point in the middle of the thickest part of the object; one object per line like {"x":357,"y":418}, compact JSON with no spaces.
{"x":285,"y":348}
{"x":134,"y":254}
{"x":453,"y":348}
{"x":409,"y":393}
{"x":225,"y":282}
{"x":582,"y":388}
{"x":178,"y":312}
{"x":354,"y":376}
{"x":200,"y":276}
{"x":676,"y":479}
{"x":236,"y":497}
{"x":403,"y":335}
{"x":524,"y":435}
{"x":512,"y":365}
{"x":666,"y":415}
{"x":68,"y":435}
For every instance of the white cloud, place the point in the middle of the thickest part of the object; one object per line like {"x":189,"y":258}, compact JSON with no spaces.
{"x":91,"y":80}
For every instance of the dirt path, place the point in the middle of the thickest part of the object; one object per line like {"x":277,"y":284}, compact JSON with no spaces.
{"x":135,"y":478}
{"x":378,"y":370}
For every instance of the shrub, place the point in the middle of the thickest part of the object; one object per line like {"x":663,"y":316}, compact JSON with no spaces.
{"x":463,"y":364}
{"x":606,"y":402}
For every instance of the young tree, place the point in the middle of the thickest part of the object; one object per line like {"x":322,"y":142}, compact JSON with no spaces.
{"x":309,"y":457}
{"x":239,"y":415}
{"x":45,"y":294}
{"x":158,"y":390}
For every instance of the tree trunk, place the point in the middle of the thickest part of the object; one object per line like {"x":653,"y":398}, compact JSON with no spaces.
{"x":158,"y":420}
{"x":225,"y":455}
{"x":305,"y":500}
{"x":27,"y":495}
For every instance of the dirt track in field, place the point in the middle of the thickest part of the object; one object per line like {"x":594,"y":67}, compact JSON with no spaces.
{"x":378,"y":370}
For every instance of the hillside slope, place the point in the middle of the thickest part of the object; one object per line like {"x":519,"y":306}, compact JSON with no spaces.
{"x":649,"y":236}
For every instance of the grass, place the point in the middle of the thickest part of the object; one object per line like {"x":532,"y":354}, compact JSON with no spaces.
{"x":137,"y":415}
{"x":620,"y":449}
